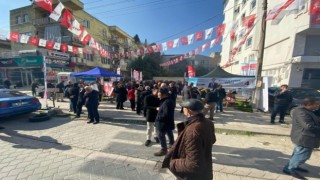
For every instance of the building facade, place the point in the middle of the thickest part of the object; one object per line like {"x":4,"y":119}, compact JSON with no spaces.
{"x":291,"y":53}
{"x":34,"y":21}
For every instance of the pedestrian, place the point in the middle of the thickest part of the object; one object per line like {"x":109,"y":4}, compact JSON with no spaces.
{"x":73,"y":96}
{"x":173,"y":93}
{"x":305,"y":134}
{"x":145,"y":93}
{"x":66,"y":94}
{"x":186,"y":93}
{"x":151,"y":102}
{"x":59,"y":94}
{"x":282,"y":100}
{"x":131,"y":97}
{"x":100,"y":89}
{"x":80,"y":100}
{"x":121,"y":95}
{"x":165,"y":121}
{"x":221,"y":93}
{"x":191,"y":155}
{"x":138,"y":99}
{"x":92,"y":102}
{"x":34,"y":87}
{"x":210,"y":102}
{"x":7,"y":84}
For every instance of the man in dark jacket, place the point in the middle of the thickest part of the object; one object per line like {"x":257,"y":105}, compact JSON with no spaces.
{"x":151,"y":102}
{"x":191,"y":155}
{"x":173,"y":92}
{"x":74,"y":95}
{"x":92,"y":103}
{"x":221,"y":93}
{"x":80,"y":100}
{"x":59,"y":95}
{"x":305,"y":134}
{"x":186,"y":92}
{"x":282,"y":101}
{"x":165,"y":121}
{"x":210,"y":102}
{"x":121,"y":95}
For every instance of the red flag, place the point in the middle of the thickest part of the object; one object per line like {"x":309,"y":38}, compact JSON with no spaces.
{"x":75,"y":50}
{"x":50,"y":45}
{"x":45,"y":4}
{"x":150,"y":49}
{"x":14,"y":36}
{"x":207,"y":45}
{"x":217,"y":40}
{"x":66,"y":19}
{"x":85,"y":50}
{"x":220,"y":30}
{"x":314,"y":7}
{"x":248,"y":21}
{"x":199,"y":36}
{"x":170,"y":44}
{"x":232,"y":35}
{"x":199,"y":49}
{"x":64,"y":48}
{"x":184,"y":40}
{"x":191,"y":72}
{"x":284,"y":6}
{"x":33,"y":41}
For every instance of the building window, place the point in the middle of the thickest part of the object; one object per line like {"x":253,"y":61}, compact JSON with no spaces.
{"x":253,"y":4}
{"x":18,"y":20}
{"x":251,"y":57}
{"x":25,"y":18}
{"x":86,"y":23}
{"x":27,"y":33}
{"x":239,"y":50}
{"x":249,"y":42}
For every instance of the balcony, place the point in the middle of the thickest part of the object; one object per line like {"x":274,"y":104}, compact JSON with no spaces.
{"x":71,"y":40}
{"x":43,"y":21}
{"x":72,"y":4}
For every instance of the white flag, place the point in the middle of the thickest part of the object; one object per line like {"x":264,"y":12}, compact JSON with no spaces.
{"x":203,"y":47}
{"x":42,"y":42}
{"x":75,"y":29}
{"x":24,"y":38}
{"x":98,"y":46}
{"x":55,"y":15}
{"x":164,"y":46}
{"x":208,"y":33}
{"x":190,"y":38}
{"x":273,"y":11}
{"x":80,"y":50}
{"x":212,"y":43}
{"x":175,"y":43}
{"x":70,"y":48}
{"x":57,"y":46}
{"x":296,"y":6}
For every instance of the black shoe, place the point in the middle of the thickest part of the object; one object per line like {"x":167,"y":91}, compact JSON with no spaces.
{"x":282,"y":122}
{"x":302,"y":170}
{"x":157,"y":140}
{"x":160,"y":153}
{"x":147,"y":143}
{"x":88,"y":122}
{"x":293,"y":174}
{"x":95,"y":122}
{"x":272,"y":122}
{"x":122,"y":108}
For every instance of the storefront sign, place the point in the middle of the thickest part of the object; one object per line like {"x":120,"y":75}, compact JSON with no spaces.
{"x":57,"y":62}
{"x":8,"y":62}
{"x":30,"y":61}
{"x":58,"y":55}
{"x":238,"y":82}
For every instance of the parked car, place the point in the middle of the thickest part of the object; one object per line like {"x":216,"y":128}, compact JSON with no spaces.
{"x":298,"y":95}
{"x":13,"y":102}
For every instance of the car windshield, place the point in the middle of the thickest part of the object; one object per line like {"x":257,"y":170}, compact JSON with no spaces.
{"x":7,"y":94}
{"x":305,"y":93}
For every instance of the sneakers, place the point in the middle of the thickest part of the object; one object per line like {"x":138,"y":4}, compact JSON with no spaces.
{"x":160,"y":153}
{"x":282,"y":122}
{"x":147,"y":143}
{"x":157,"y":140}
{"x":293,"y":174}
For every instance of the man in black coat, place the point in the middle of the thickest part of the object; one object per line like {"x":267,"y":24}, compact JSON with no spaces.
{"x":165,"y":121}
{"x":173,"y":93}
{"x":210,"y":102}
{"x":221,"y":93}
{"x":305,"y":134}
{"x":74,"y":95}
{"x":151,"y":103}
{"x":282,"y":101}
{"x":121,"y":95}
{"x":80,"y":100}
{"x":92,"y":103}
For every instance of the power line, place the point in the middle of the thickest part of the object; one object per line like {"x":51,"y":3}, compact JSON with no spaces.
{"x":109,"y":4}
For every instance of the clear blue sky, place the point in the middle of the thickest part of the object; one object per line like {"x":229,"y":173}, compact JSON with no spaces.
{"x":155,"y":20}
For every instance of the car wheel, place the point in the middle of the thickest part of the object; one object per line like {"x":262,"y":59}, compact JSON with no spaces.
{"x":39,"y":118}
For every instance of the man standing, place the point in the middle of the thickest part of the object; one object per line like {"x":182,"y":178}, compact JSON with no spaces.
{"x":34,"y":87}
{"x":221,"y":93}
{"x":92,"y":103}
{"x":121,"y":97}
{"x":7,"y":83}
{"x":173,"y":92}
{"x":191,"y":154}
{"x":59,"y":95}
{"x":210,"y":102}
{"x":305,"y":134}
{"x":151,"y":103}
{"x":165,"y":121}
{"x":282,"y":100}
{"x":186,"y":92}
{"x":66,"y":94}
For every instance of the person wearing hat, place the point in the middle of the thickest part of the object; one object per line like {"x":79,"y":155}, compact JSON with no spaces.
{"x":191,"y":155}
{"x":165,"y":121}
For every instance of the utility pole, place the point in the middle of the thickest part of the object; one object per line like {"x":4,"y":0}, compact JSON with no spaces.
{"x":259,"y":84}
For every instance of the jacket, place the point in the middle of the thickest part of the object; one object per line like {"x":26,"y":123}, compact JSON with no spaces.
{"x":121,"y":94}
{"x":284,"y":98}
{"x":151,"y":103}
{"x":211,"y":96}
{"x":131,"y":95}
{"x":92,"y":99}
{"x":165,"y":117}
{"x":190,"y":157}
{"x":221,"y":93}
{"x":186,"y":93}
{"x":305,"y":128}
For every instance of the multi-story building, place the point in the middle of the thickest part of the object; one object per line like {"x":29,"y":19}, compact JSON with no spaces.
{"x":291,"y":53}
{"x":34,"y":21}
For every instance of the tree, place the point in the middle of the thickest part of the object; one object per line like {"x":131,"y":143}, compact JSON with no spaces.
{"x":137,"y":39}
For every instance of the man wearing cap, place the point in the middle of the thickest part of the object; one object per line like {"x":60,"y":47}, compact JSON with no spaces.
{"x":165,"y":121}
{"x":191,"y":155}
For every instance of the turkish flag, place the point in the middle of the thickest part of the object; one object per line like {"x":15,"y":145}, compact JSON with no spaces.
{"x":66,"y":19}
{"x":34,"y":41}
{"x":14,"y":36}
{"x":314,"y":7}
{"x":184,"y":40}
{"x":220,"y":30}
{"x":50,"y":45}
{"x":217,"y":40}
{"x":199,"y":36}
{"x":248,"y":21}
{"x":75,"y":50}
{"x":64,"y":48}
{"x":85,"y":51}
{"x":232,"y":35}
{"x":170,"y":44}
{"x":45,"y":4}
{"x":191,"y":72}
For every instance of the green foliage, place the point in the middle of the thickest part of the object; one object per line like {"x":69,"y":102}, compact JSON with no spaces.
{"x":137,"y":39}
{"x":243,"y":106}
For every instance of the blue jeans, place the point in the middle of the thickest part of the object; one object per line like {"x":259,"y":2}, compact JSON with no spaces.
{"x":219,"y":105}
{"x":299,"y":156}
{"x":278,"y":108}
{"x":163,"y":140}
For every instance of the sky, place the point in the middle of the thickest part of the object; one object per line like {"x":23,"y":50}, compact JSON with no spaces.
{"x":155,"y":20}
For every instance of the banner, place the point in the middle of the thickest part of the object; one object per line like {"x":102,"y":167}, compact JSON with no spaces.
{"x":191,"y":72}
{"x":55,"y":15}
{"x":45,"y":4}
{"x":108,"y":88}
{"x":228,"y":83}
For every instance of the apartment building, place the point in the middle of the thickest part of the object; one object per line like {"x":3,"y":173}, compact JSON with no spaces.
{"x":292,"y":43}
{"x":34,"y":21}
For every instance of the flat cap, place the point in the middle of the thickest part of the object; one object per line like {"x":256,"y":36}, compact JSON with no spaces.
{"x":192,"y":104}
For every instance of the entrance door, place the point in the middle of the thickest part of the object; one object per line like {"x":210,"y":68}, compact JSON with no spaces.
{"x":26,"y":78}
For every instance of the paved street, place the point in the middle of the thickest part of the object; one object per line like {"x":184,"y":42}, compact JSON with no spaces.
{"x":68,"y":148}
